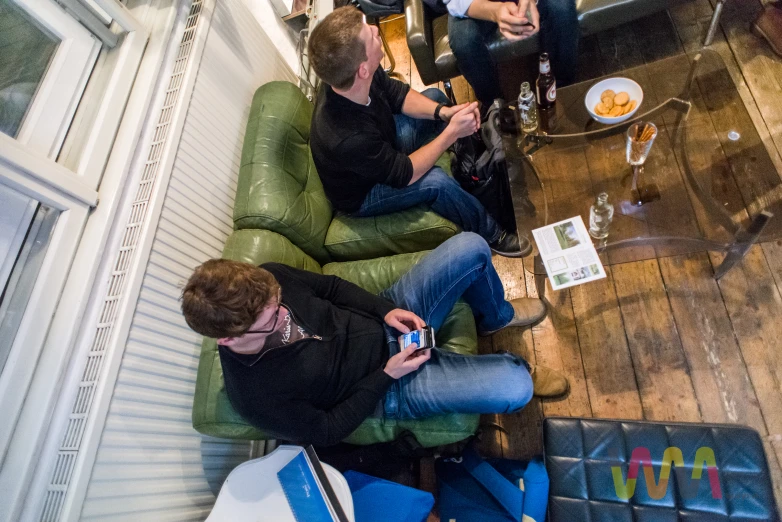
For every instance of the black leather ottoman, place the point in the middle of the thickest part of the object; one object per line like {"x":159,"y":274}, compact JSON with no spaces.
{"x":719,"y":472}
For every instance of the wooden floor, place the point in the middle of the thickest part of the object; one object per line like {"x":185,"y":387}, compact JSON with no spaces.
{"x":660,"y":339}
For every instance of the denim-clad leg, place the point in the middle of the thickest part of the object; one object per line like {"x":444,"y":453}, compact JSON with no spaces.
{"x":443,"y":194}
{"x":412,"y":133}
{"x":559,"y":35}
{"x":467,"y":38}
{"x":448,"y":382}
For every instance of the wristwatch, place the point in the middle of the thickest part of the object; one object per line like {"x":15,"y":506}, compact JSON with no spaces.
{"x":437,"y":111}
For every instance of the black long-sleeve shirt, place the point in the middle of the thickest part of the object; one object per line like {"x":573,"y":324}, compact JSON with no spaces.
{"x":354,"y":146}
{"x":319,"y":389}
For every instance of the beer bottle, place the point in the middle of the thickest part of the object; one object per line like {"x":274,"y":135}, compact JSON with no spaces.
{"x":546,"y":84}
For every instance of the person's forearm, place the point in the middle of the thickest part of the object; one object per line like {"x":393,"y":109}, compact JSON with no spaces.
{"x":418,"y":106}
{"x":483,"y":10}
{"x":424,"y":158}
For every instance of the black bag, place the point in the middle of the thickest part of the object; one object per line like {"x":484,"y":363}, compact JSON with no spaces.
{"x":478,"y":164}
{"x":396,"y":461}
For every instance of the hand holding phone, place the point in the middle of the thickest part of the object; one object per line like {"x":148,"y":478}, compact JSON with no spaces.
{"x":423,"y":338}
{"x":406,"y":361}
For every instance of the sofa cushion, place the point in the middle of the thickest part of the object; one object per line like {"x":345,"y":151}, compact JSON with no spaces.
{"x":263,"y":246}
{"x":352,"y":238}
{"x":279,"y":188}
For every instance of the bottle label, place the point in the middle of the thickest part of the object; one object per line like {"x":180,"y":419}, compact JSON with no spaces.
{"x":545,"y":67}
{"x":551,"y":94}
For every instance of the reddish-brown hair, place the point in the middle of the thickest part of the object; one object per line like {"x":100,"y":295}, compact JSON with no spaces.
{"x":224,"y":298}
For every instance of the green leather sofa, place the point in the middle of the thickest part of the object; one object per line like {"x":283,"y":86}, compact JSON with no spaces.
{"x":427,"y":33}
{"x":281,"y":214}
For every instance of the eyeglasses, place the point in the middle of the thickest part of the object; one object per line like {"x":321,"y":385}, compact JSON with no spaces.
{"x":274,"y":322}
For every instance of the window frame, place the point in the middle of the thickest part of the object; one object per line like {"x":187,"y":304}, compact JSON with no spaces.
{"x":49,"y":116}
{"x":31,"y":335}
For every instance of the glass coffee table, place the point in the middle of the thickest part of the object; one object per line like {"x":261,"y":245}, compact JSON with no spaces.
{"x":707,"y":185}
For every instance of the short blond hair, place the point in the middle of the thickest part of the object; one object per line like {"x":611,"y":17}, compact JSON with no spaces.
{"x":335,"y":48}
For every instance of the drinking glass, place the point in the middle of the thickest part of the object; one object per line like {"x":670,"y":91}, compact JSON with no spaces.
{"x":640,"y":137}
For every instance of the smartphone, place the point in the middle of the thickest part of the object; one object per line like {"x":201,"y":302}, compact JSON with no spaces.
{"x":424,"y":338}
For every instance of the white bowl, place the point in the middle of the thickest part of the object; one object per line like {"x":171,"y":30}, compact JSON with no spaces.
{"x":617,"y":85}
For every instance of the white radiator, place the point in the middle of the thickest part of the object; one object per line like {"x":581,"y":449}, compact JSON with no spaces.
{"x":151,"y":464}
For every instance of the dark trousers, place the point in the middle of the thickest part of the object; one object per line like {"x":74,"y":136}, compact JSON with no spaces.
{"x":559,"y":34}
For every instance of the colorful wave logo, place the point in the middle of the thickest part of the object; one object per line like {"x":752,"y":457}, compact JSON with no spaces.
{"x":688,"y":487}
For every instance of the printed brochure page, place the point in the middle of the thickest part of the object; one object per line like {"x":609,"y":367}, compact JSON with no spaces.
{"x":568,"y":254}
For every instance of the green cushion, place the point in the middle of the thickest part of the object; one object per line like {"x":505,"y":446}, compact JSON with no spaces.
{"x":262,"y":246}
{"x":212,"y":412}
{"x":279,"y":188}
{"x":351,"y":238}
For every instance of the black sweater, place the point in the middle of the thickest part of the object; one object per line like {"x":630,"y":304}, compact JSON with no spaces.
{"x":319,"y":389}
{"x":354,"y":146}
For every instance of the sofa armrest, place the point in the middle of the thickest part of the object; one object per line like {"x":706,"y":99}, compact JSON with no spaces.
{"x":418,"y":22}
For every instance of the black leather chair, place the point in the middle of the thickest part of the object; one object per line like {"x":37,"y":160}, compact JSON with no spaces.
{"x":580,"y":455}
{"x":427,"y":33}
{"x":374,"y":11}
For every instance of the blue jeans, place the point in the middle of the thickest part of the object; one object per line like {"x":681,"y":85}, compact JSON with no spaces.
{"x":559,"y":34}
{"x":449,"y":382}
{"x":435,"y":188}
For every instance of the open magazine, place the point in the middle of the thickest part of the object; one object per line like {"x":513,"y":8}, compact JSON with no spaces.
{"x":568,"y":254}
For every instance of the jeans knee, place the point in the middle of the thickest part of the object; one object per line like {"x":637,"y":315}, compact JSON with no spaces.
{"x":561,"y":10}
{"x":436,"y":179}
{"x":435,"y":94}
{"x":519,"y":390}
{"x":464,"y":37}
{"x":472,"y":245}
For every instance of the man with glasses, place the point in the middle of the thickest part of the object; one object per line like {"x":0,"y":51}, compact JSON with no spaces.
{"x":375,"y":141}
{"x":308,"y":357}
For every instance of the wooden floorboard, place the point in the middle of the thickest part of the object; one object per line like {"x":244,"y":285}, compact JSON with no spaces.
{"x":658,"y":339}
{"x":660,"y":366}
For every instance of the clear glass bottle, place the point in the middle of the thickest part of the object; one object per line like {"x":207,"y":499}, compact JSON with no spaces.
{"x":528,"y":109}
{"x":600,"y":216}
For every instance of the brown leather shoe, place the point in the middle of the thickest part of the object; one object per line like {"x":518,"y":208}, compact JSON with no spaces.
{"x":547,"y":382}
{"x":528,"y":311}
{"x":769,"y":27}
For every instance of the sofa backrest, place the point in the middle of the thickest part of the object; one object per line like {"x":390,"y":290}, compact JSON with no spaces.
{"x":279,"y":188}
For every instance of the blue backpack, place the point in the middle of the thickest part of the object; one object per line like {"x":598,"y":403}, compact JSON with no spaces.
{"x":494,"y":490}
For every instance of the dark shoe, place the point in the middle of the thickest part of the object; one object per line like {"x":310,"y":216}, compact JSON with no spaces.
{"x":526,"y":310}
{"x":769,"y":27}
{"x":548,"y":383}
{"x":511,"y":245}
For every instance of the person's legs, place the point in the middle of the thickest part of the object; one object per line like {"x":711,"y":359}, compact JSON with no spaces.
{"x":443,"y":194}
{"x":413,"y":133}
{"x":448,"y":382}
{"x":453,"y":383}
{"x":460,"y":267}
{"x":467,"y":38}
{"x":559,"y":34}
